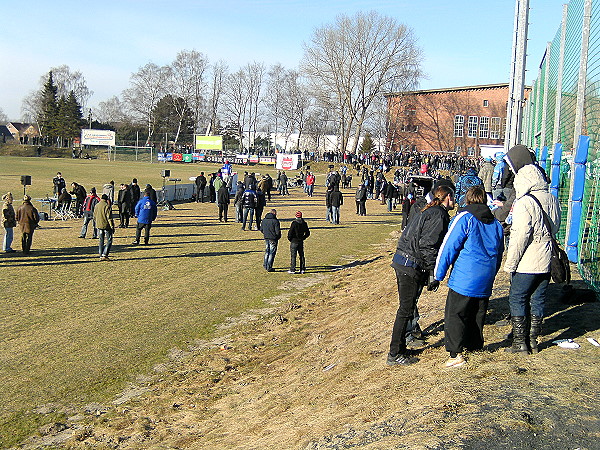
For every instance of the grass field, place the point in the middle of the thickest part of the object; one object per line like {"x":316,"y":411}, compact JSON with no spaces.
{"x":75,"y":331}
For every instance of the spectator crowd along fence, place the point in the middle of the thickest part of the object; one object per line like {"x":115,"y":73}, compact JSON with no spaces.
{"x":562,"y":122}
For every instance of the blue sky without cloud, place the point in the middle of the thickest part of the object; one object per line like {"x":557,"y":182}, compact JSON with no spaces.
{"x":463,"y":42}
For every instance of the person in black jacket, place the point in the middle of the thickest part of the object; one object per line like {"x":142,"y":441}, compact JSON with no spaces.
{"x":271,"y":230}
{"x":249,"y":205}
{"x":413,"y":261}
{"x":361,"y":200}
{"x":297,"y":233}
{"x":200,"y":187}
{"x":135,"y":196}
{"x":223,"y":202}
{"x":124,"y":204}
{"x":336,"y":200}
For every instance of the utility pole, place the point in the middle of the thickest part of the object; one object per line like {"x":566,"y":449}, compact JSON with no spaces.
{"x":516,"y":87}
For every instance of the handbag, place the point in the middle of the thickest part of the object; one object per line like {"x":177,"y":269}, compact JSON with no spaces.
{"x":560,"y":267}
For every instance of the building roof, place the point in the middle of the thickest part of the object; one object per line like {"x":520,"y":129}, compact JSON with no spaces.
{"x":6,"y":132}
{"x":451,"y":89}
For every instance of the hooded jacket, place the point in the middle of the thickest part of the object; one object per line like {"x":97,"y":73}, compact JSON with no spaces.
{"x":270,"y":227}
{"x":473,"y":245}
{"x":146,"y":210}
{"x":298,"y":231}
{"x":529,"y":249}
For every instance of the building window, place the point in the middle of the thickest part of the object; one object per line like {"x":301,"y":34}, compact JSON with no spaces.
{"x":484,"y":127}
{"x":458,"y":150}
{"x":471,"y":151}
{"x":473,"y":121}
{"x":415,"y":128}
{"x":495,"y":128}
{"x":486,"y":103}
{"x":459,"y":126}
{"x":410,"y":110}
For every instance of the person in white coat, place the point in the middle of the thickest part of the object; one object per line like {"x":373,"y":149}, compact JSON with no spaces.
{"x":529,"y":248}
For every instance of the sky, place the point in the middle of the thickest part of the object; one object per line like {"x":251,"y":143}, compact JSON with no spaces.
{"x":463,"y":43}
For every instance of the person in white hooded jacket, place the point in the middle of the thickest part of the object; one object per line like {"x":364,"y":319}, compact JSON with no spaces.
{"x":529,"y":248}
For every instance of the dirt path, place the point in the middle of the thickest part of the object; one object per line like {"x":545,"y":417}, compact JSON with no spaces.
{"x":310,"y":373}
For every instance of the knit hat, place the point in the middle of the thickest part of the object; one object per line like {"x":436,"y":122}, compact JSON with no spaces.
{"x":298,"y":214}
{"x":7,"y":196}
{"x":93,"y":190}
{"x":26,"y":198}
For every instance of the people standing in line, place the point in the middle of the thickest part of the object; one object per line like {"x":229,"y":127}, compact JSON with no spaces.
{"x":135,"y":195}
{"x":146,"y":212}
{"x":261,"y":202}
{"x":200,"y":187}
{"x":529,"y":248}
{"x":9,"y":222}
{"x":106,"y":226}
{"x":28,"y":217}
{"x":109,"y":190}
{"x":88,"y":213}
{"x":297,"y":234}
{"x":361,"y":200}
{"x":80,"y":194}
{"x":59,"y":184}
{"x":151,"y":193}
{"x":271,"y":230}
{"x":124,"y":205}
{"x":486,"y":173}
{"x":336,"y":199}
{"x":223,"y":202}
{"x":413,"y":262}
{"x":310,"y":184}
{"x":473,"y":246}
{"x":238,"y":202}
{"x":249,"y":205}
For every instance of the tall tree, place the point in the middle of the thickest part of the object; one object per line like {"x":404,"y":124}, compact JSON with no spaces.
{"x":47,"y":115}
{"x":3,"y":117}
{"x":148,"y":86}
{"x":68,"y":81}
{"x":219,"y":75}
{"x":357,"y":59}
{"x":171,"y":115}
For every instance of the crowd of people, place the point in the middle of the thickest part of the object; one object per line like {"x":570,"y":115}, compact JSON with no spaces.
{"x":494,"y":198}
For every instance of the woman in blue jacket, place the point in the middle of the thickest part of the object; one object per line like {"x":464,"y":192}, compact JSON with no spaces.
{"x":473,"y":245}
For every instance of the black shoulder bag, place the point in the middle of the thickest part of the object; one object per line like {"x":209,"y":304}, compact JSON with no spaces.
{"x":560,"y":268}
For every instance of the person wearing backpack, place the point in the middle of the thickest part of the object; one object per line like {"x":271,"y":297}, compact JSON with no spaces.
{"x":463,"y":184}
{"x":529,"y":249}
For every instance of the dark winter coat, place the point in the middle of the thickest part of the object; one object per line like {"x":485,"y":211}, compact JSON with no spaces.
{"x":298,"y":230}
{"x":270,"y":227}
{"x":28,"y":217}
{"x":223,"y":196}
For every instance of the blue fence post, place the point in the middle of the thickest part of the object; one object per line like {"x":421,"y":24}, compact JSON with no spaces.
{"x":574,"y":219}
{"x":543,"y":157}
{"x":555,"y":169}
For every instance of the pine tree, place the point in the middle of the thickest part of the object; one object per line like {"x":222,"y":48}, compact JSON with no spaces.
{"x":367,"y":145}
{"x":49,"y":112}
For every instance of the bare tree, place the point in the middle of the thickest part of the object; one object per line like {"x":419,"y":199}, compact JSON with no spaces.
{"x":275,"y":94}
{"x":296,"y":104}
{"x":147,"y":88}
{"x":255,"y":73}
{"x":3,"y":117}
{"x":67,"y":81}
{"x":187,"y":82}
{"x":356,"y":60}
{"x":110,"y":111}
{"x":236,"y":102}
{"x":218,"y":79}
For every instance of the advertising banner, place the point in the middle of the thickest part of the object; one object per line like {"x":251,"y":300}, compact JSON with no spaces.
{"x":98,"y":137}
{"x":187,"y":157}
{"x":266,"y":160}
{"x":177,"y":157}
{"x":196,"y":156}
{"x":208,"y":142}
{"x":287,"y":161}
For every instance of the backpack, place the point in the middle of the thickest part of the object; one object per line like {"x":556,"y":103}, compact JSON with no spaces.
{"x":462,"y":186}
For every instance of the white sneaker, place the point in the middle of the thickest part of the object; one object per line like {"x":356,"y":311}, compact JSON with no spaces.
{"x":291,"y":271}
{"x":455,"y":362}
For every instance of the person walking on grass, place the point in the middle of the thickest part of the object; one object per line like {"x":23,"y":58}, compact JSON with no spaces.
{"x":9,"y":222}
{"x":271,"y":230}
{"x":106,"y":226}
{"x":297,"y":234}
{"x":146,"y":212}
{"x":473,"y":247}
{"x":28,"y":217}
{"x":413,"y":263}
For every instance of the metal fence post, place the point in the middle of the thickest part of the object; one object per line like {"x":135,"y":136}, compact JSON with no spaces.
{"x":559,"y":82}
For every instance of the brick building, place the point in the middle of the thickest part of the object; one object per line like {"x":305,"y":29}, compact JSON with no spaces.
{"x":23,"y":132}
{"x":449,"y":121}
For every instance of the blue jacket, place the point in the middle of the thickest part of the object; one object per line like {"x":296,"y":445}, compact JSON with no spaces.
{"x":474,"y":245}
{"x":145,"y":210}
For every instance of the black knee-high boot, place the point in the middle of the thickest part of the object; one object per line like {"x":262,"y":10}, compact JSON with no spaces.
{"x":519,"y":344}
{"x":534,"y":332}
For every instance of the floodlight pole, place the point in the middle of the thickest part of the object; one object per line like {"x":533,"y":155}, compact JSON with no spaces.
{"x":516,"y":88}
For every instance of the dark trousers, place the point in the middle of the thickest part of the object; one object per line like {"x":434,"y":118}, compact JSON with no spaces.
{"x":361,"y":208}
{"x":124,"y":218}
{"x":138,"y":232}
{"x":258,"y":216}
{"x":410,"y":286}
{"x":26,"y":240}
{"x":223,"y":207}
{"x":464,"y":318}
{"x":297,"y":248}
{"x":200,"y":194}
